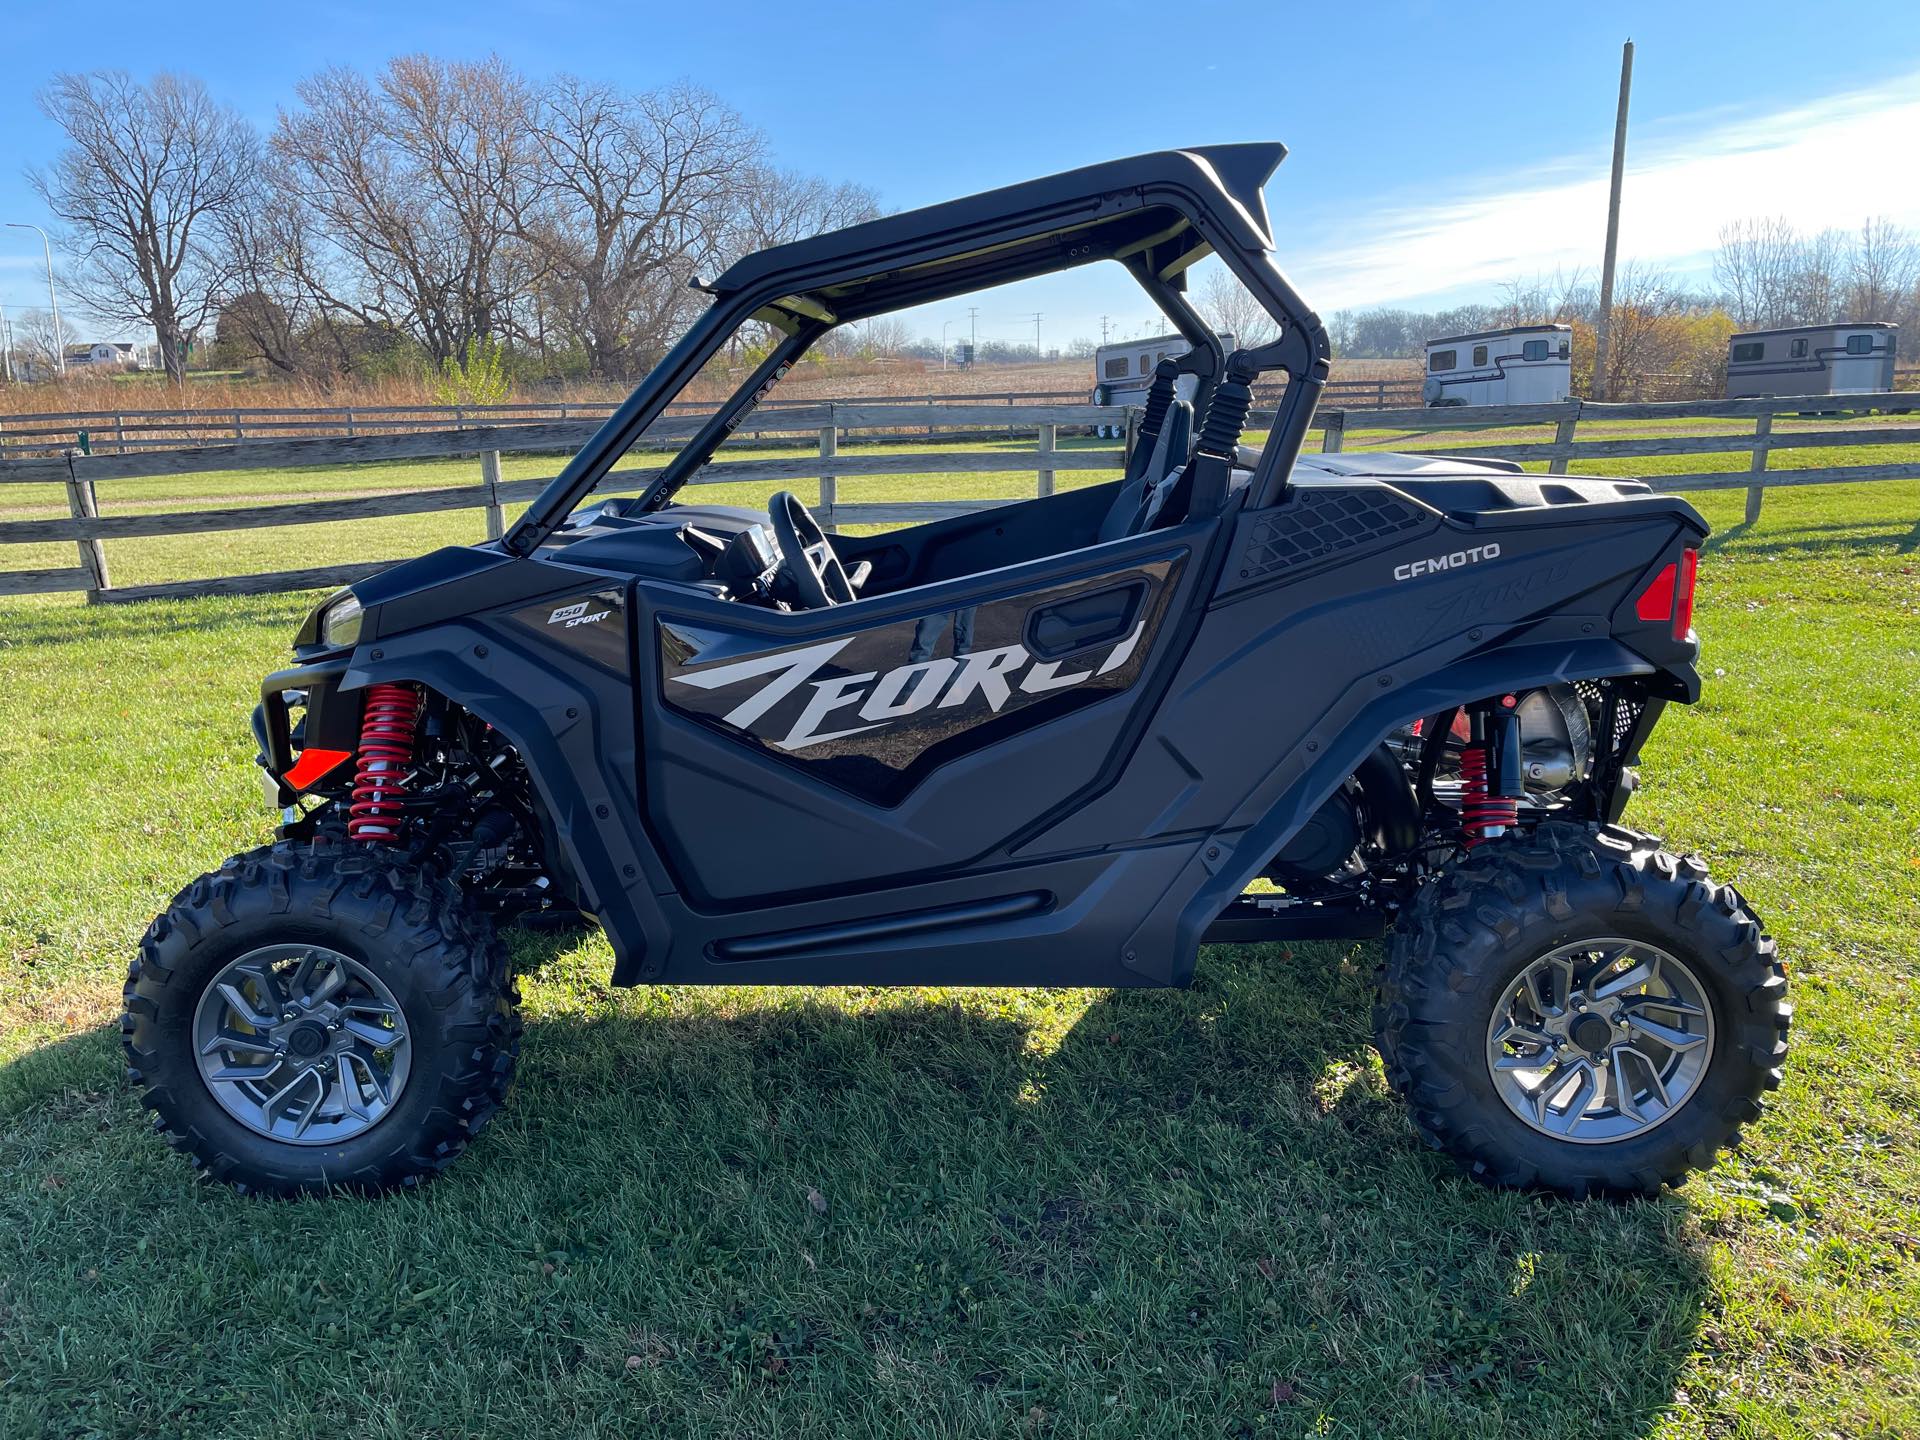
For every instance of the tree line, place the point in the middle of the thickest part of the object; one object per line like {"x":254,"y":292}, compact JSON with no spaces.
{"x":1766,"y":275}
{"x":419,"y":214}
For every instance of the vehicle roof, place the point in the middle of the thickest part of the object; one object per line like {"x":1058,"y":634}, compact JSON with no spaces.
{"x":1174,"y":339}
{"x":1813,"y":329}
{"x":1504,"y":330}
{"x":1118,"y":210}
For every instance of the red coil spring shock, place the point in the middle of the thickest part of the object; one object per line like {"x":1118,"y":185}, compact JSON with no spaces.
{"x":386,"y":757}
{"x":1482,"y":815}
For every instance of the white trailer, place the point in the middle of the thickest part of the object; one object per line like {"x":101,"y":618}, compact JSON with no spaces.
{"x":1522,"y":365}
{"x":1122,"y":372}
{"x":1854,"y":359}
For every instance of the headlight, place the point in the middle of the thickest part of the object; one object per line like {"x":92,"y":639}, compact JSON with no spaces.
{"x":340,"y":621}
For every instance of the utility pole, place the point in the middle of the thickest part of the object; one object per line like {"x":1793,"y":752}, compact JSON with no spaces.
{"x":973,"y":331}
{"x":944,"y":324}
{"x":1602,"y":331}
{"x":1036,"y":335}
{"x":1103,"y":329}
{"x":59,"y":335}
{"x":6,"y":341}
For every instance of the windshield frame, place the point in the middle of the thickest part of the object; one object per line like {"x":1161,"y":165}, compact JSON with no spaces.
{"x":1218,"y":221}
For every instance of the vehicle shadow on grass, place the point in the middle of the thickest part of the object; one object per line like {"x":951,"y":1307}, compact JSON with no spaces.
{"x":1859,"y":537}
{"x":759,"y":1211}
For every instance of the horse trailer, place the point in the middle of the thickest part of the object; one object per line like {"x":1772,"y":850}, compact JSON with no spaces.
{"x":1123,"y":371}
{"x":1521,"y":365}
{"x":1854,"y":359}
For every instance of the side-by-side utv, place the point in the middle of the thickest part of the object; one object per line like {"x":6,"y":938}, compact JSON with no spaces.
{"x":1240,"y":694}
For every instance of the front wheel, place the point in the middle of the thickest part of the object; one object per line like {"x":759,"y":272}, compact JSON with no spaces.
{"x":308,"y":1019}
{"x":1581,"y":1011}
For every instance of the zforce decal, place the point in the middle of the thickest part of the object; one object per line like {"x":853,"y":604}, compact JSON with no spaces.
{"x":993,"y":676}
{"x":872,"y":710}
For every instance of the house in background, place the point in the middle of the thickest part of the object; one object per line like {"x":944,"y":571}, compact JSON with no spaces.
{"x":1856,"y":359}
{"x":104,"y":355}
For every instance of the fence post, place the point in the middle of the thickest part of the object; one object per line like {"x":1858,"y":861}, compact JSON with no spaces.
{"x":1563,"y":435}
{"x":829,"y":484}
{"x":120,"y":433}
{"x":1047,"y":437}
{"x":83,"y":505}
{"x":1762,"y":442}
{"x":1334,"y":440}
{"x":239,"y":431}
{"x":490,"y":477}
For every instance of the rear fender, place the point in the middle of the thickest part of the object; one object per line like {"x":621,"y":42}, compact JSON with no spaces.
{"x":1303,"y":781}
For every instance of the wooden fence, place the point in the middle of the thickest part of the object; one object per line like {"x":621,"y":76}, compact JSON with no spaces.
{"x":122,"y":432}
{"x":89,"y":530}
{"x":1755,"y":478}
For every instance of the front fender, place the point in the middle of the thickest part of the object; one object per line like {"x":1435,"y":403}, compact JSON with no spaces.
{"x":573,"y":726}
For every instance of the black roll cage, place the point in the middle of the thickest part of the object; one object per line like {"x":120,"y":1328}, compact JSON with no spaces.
{"x":1156,"y":214}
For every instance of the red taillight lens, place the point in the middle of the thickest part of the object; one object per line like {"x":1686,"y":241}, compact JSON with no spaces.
{"x":1670,"y":596}
{"x":1683,"y":594}
{"x":1656,"y":601}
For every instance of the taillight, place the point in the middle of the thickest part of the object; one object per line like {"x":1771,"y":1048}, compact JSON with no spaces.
{"x":1683,"y":594}
{"x":1670,"y":595}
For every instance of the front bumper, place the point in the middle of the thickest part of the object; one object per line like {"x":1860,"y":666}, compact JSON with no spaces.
{"x":330,"y":721}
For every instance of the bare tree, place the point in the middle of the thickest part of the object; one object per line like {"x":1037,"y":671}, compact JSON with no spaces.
{"x":36,"y":345}
{"x":271,"y":313}
{"x":776,"y":207}
{"x":146,"y":173}
{"x":1884,"y":273}
{"x":1231,"y":309}
{"x":1558,"y":299}
{"x":402,"y":180}
{"x":1816,"y":285}
{"x":884,"y":335}
{"x":1754,"y":267}
{"x":625,"y":199}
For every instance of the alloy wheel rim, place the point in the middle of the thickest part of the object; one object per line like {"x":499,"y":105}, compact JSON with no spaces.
{"x":1600,"y":1041}
{"x":302,"y":1044}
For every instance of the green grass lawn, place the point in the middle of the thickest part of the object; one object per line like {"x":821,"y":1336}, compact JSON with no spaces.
{"x":950,"y":1212}
{"x":236,"y":552}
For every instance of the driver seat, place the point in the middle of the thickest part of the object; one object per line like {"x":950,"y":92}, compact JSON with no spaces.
{"x":1140,"y":499}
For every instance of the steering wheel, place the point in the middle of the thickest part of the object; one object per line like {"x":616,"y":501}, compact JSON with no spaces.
{"x":817,"y":572}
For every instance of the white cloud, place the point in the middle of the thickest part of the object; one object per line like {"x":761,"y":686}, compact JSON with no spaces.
{"x":1832,"y":162}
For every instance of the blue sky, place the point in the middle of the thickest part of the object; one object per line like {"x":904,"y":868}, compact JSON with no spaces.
{"x":1436,"y":147}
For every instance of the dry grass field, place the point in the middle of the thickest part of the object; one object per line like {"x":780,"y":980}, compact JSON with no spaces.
{"x":107,"y":394}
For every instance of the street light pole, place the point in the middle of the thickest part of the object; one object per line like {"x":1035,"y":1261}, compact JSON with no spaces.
{"x":59,"y":336}
{"x":944,"y":324}
{"x":6,"y":341}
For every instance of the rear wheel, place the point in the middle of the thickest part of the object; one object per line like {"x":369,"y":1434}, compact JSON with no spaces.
{"x":313,"y":1018}
{"x":1581,"y":1011}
